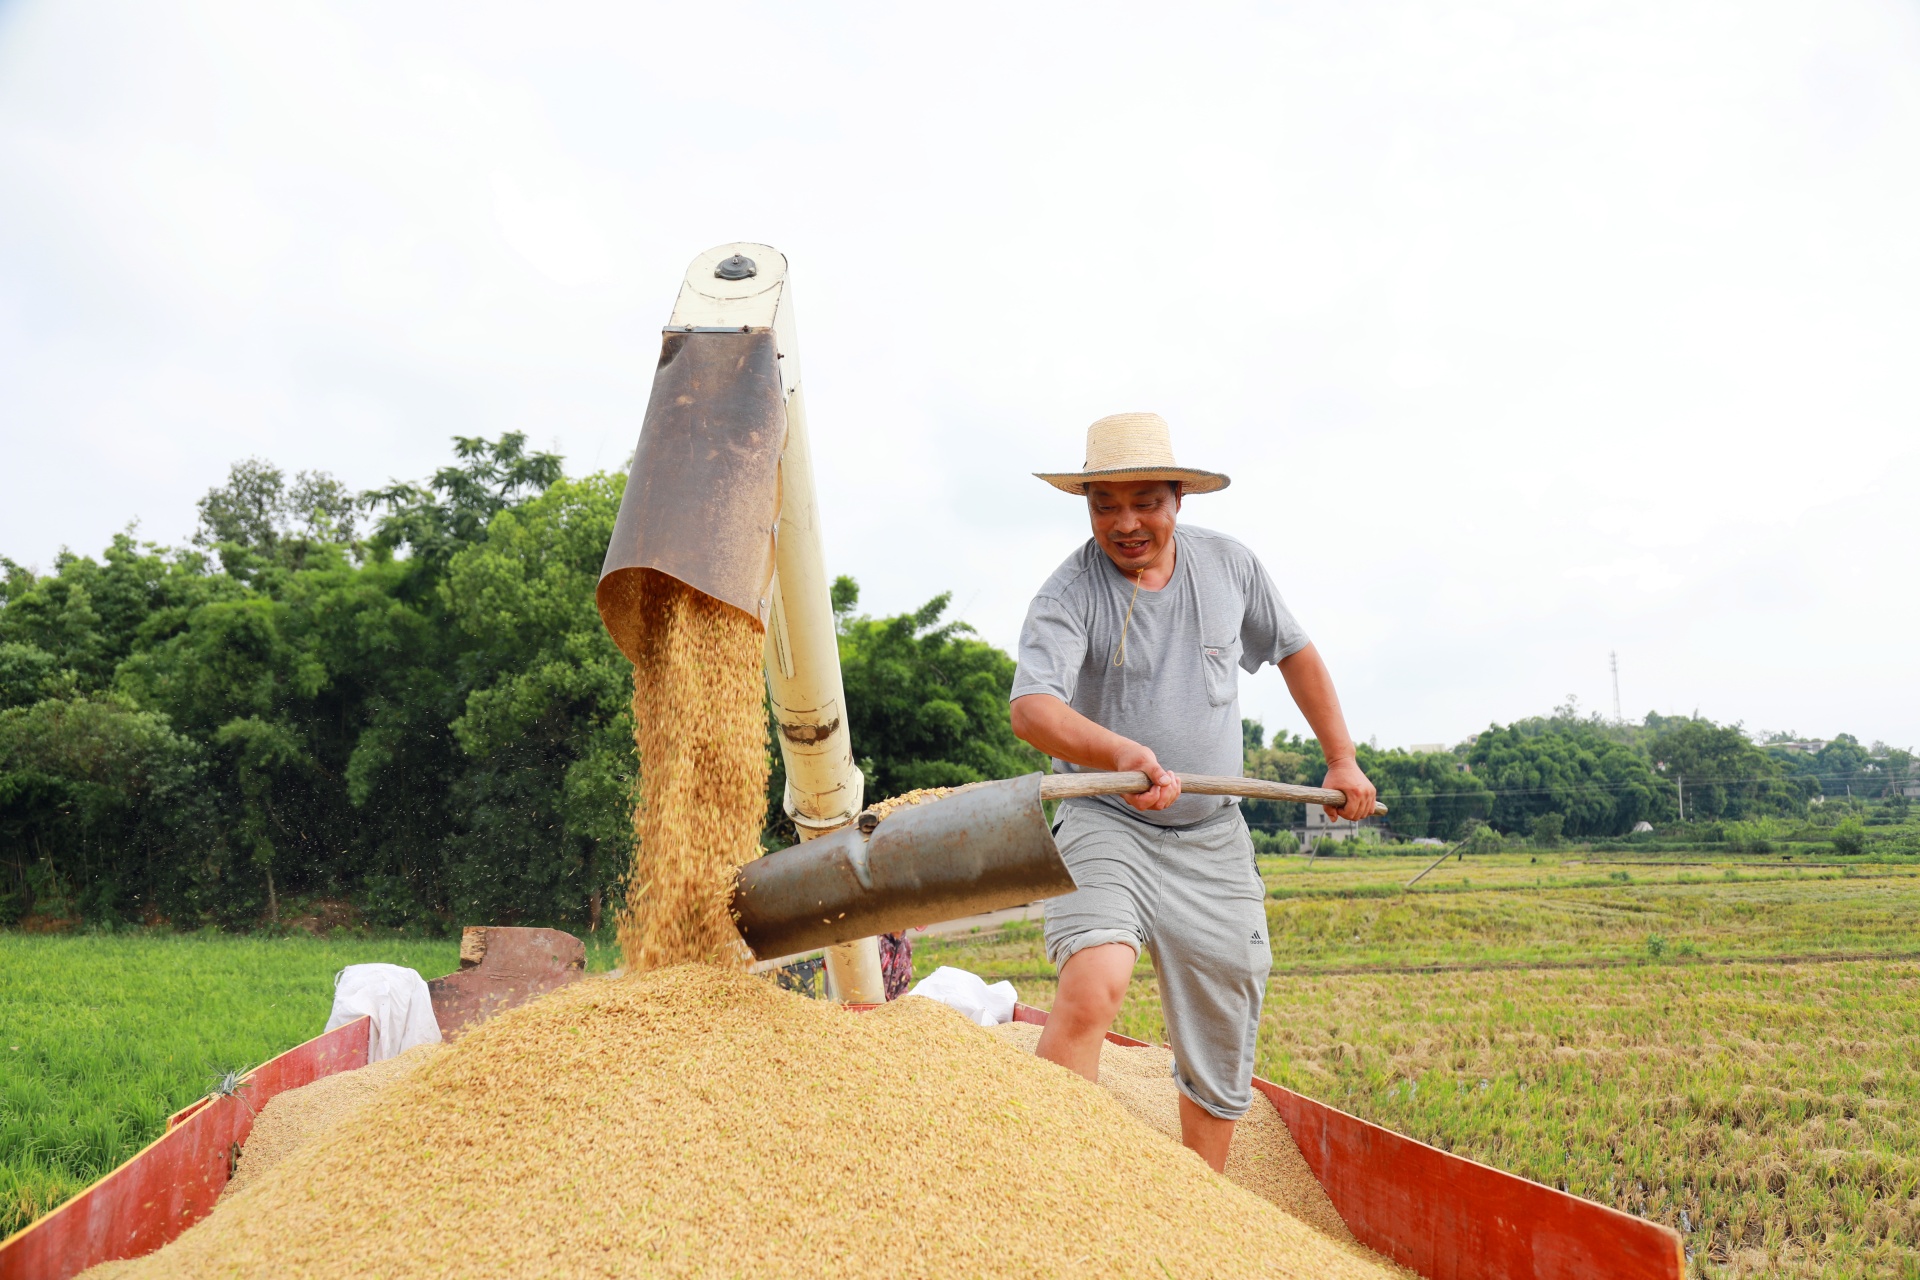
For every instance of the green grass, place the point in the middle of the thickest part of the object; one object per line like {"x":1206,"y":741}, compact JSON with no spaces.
{"x":102,"y":1037}
{"x":1770,"y":1111}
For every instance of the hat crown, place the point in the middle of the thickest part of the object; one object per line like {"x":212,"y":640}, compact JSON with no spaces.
{"x":1122,"y":447}
{"x":1129,"y":440}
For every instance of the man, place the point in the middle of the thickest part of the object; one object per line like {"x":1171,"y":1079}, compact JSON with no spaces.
{"x":1127,"y":662}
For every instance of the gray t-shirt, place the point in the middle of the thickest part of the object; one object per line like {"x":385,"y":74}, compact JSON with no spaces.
{"x":1177,"y":691}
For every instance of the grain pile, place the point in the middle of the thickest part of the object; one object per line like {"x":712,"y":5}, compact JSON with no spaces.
{"x":700,"y":726}
{"x":293,"y":1119}
{"x":907,"y":799}
{"x":296,"y":1117}
{"x":1263,"y":1158}
{"x":693,"y":1121}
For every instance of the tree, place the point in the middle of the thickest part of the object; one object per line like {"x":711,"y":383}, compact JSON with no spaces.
{"x":926,"y":700}
{"x":1427,"y":794}
{"x":1850,"y":836}
{"x":256,"y":518}
{"x":28,"y":673}
{"x":453,"y":510}
{"x":1287,"y":759}
{"x":88,"y":616}
{"x":242,"y":676}
{"x":1599,"y":786}
{"x":1724,"y":774}
{"x":1899,"y":772}
{"x":325,"y":692}
{"x":263,"y":753}
{"x":1841,"y":766}
{"x":547,"y":723}
{"x":1480,"y":838}
{"x":98,"y":801}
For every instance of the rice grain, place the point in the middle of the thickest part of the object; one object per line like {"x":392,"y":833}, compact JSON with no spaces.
{"x":701,"y":731}
{"x":1263,"y":1158}
{"x":292,"y":1119}
{"x":694,"y":1121}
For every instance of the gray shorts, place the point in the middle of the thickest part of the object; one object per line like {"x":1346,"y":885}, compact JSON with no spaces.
{"x":1192,"y":898}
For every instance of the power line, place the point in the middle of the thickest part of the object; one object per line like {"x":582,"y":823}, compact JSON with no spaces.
{"x":1655,"y":782}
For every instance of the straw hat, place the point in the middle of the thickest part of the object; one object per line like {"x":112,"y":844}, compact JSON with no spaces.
{"x":1133,"y":446}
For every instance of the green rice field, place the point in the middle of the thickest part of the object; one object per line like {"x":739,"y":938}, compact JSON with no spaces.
{"x":103,"y":1037}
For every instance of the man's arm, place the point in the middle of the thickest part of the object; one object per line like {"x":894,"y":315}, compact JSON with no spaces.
{"x":1311,"y":685}
{"x":1057,"y":729}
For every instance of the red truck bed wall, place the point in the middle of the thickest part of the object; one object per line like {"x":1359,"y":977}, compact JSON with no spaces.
{"x":1449,"y":1218}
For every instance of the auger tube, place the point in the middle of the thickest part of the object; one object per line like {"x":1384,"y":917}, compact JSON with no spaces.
{"x":825,"y":789}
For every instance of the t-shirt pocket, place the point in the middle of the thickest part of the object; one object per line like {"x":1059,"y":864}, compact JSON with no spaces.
{"x":1221,"y":663}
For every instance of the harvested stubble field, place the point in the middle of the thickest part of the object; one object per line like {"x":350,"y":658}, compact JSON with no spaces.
{"x":1769,"y":1111}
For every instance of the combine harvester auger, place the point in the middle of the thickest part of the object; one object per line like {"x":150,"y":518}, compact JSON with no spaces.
{"x":721,"y":498}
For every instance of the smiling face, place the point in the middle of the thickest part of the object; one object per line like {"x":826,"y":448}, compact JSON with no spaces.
{"x":1133,"y":521}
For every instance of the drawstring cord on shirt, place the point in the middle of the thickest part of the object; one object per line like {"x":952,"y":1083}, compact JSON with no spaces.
{"x":1120,"y":655}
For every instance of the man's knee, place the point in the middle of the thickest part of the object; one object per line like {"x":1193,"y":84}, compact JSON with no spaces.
{"x":1094,"y":981}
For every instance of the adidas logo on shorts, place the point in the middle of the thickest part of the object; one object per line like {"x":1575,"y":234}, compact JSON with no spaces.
{"x":1256,"y":937}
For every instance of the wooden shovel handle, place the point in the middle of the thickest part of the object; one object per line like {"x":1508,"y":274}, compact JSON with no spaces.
{"x":1066,"y":786}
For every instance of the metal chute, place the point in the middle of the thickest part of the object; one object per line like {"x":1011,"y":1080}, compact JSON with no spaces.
{"x":982,"y":850}
{"x":703,"y":496}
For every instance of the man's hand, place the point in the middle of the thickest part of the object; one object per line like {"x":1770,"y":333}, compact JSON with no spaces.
{"x":1065,"y":734}
{"x":1134,"y":758}
{"x":1344,"y":775}
{"x":1312,"y":689}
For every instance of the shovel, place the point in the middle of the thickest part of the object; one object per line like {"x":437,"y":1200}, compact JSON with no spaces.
{"x":983,"y":848}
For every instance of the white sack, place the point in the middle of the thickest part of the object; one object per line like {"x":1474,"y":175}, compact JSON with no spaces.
{"x":969,"y":993}
{"x":397,"y":1000}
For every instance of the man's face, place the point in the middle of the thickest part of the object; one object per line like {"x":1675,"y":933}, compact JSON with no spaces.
{"x":1133,"y":522}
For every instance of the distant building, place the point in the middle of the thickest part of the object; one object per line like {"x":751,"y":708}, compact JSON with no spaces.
{"x":1641,"y":826}
{"x":1320,"y":827}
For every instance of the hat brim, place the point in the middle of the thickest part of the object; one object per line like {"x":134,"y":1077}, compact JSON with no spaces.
{"x":1192,"y":480}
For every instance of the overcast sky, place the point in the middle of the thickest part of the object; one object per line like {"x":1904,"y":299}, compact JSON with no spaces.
{"x":1528,"y":332}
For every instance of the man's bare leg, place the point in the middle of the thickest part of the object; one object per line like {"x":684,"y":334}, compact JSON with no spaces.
{"x":1092,"y":984}
{"x":1205,"y":1133}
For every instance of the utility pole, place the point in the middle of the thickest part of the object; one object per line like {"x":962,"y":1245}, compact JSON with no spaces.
{"x":1613,"y":659}
{"x":1680,"y":785}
